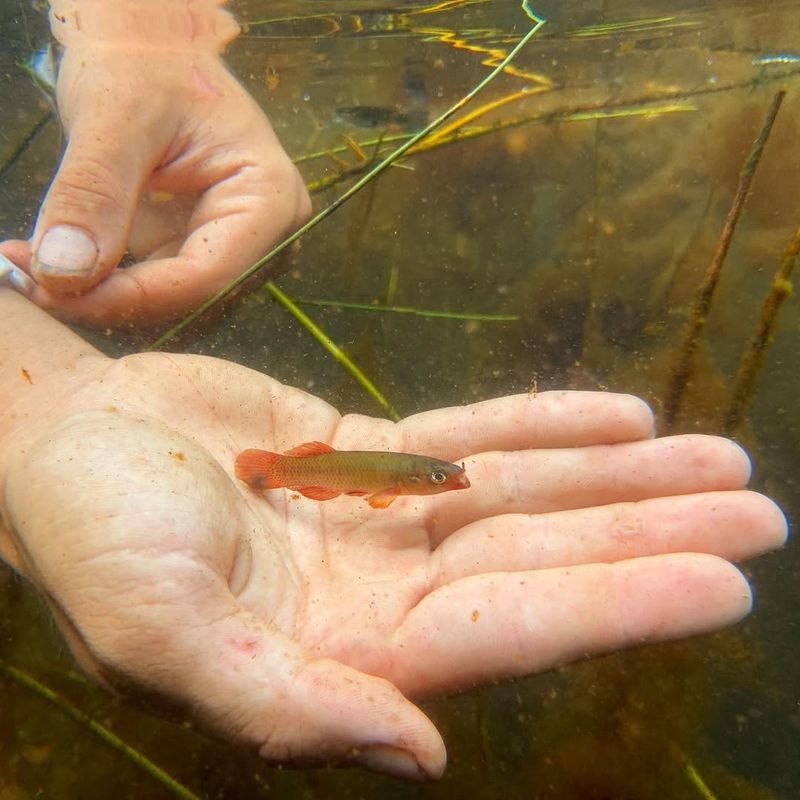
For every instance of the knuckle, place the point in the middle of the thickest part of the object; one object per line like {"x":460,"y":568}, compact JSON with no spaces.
{"x":86,"y":186}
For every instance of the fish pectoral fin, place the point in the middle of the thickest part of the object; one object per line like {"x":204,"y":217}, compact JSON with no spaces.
{"x":310,"y":449}
{"x":317,"y":492}
{"x":384,"y":498}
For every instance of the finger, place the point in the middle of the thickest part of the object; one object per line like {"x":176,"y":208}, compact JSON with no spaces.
{"x":82,"y":229}
{"x":9,"y":552}
{"x":502,"y":625}
{"x":307,"y":712}
{"x":13,"y":276}
{"x":536,"y":481}
{"x":235,"y":223}
{"x":252,"y":684}
{"x":550,"y":419}
{"x":734,"y":525}
{"x":18,"y":251}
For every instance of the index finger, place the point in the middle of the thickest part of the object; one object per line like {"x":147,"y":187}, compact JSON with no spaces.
{"x":519,"y":422}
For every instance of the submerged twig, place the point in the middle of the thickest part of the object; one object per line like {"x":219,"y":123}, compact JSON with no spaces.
{"x":753,"y":356}
{"x":356,"y":187}
{"x":333,"y":349}
{"x":705,"y":294}
{"x":418,"y":312}
{"x":23,"y":679}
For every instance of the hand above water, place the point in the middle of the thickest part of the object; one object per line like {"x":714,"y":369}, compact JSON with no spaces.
{"x":300,"y":628}
{"x":168,"y":157}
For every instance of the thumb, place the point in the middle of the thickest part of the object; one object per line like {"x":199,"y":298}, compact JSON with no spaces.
{"x":305,"y":712}
{"x":84,"y":222}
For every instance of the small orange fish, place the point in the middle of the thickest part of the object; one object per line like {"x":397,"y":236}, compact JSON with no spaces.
{"x":318,"y":471}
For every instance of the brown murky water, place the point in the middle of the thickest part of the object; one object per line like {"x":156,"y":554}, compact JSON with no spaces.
{"x":591,"y":219}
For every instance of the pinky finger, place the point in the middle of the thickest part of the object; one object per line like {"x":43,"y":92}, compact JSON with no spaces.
{"x":493,"y":626}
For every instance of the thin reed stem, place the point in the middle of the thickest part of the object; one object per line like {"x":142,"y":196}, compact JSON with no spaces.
{"x":417,"y":312}
{"x":753,"y":356}
{"x":699,"y":313}
{"x":112,"y":740}
{"x":333,"y":349}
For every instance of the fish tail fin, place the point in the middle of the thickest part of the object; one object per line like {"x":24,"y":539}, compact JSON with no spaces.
{"x":259,"y":469}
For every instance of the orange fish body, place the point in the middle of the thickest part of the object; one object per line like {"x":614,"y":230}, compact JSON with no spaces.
{"x":318,"y":471}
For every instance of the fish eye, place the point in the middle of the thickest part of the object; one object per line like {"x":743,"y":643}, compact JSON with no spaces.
{"x":437,"y":476}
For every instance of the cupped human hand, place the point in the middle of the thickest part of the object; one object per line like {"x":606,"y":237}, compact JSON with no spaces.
{"x":307,"y":629}
{"x":170,"y":159}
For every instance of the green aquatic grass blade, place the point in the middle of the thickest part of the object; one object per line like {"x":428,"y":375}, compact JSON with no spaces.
{"x":112,"y":740}
{"x":697,"y":781}
{"x":417,"y":312}
{"x":333,"y":349}
{"x":356,"y":187}
{"x":632,"y":26}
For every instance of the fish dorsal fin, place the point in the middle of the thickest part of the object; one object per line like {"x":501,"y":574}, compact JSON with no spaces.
{"x":309,"y":449}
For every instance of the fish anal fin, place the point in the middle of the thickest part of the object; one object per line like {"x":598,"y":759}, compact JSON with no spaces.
{"x":258,"y":469}
{"x":310,"y":449}
{"x":384,"y":498}
{"x":317,"y":492}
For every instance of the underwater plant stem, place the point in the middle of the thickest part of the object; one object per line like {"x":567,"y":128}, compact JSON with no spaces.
{"x":753,"y":356}
{"x":417,"y":312}
{"x":28,"y":682}
{"x":705,"y":294}
{"x":697,"y":781}
{"x":356,"y":187}
{"x":333,"y":349}
{"x":459,"y":132}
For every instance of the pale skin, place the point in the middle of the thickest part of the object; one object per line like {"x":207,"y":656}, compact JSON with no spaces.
{"x":168,"y":157}
{"x":308,"y":630}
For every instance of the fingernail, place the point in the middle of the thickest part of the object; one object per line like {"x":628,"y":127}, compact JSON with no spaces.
{"x":11,"y":274}
{"x":66,"y":251}
{"x":392,"y":760}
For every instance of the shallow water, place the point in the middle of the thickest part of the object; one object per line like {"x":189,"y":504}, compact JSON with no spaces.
{"x":592,"y":220}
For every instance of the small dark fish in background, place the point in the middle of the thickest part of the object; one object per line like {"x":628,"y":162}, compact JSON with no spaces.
{"x":370,"y":116}
{"x":410,"y":112}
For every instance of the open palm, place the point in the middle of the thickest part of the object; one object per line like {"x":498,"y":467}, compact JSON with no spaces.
{"x":300,"y":627}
